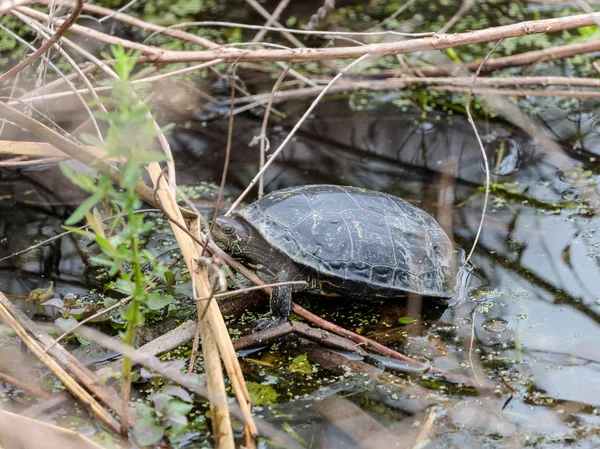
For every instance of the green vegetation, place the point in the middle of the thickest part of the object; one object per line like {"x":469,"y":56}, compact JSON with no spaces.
{"x":129,"y":139}
{"x":167,"y":415}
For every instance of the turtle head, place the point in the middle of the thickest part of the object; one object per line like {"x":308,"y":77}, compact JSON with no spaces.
{"x":234,"y":235}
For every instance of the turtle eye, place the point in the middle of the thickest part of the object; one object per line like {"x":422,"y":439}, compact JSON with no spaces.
{"x":228,"y":230}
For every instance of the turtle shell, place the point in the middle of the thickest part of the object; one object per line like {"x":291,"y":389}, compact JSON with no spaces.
{"x":357,"y":238}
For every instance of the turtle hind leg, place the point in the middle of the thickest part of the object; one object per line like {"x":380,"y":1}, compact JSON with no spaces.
{"x":281,"y":304}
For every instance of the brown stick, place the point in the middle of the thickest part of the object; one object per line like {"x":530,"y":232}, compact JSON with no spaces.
{"x":376,"y":347}
{"x":437,"y":42}
{"x":389,"y":48}
{"x":95,"y":35}
{"x":34,"y":391}
{"x":348,"y":86}
{"x":522,"y":92}
{"x":319,"y":336}
{"x":530,"y":57}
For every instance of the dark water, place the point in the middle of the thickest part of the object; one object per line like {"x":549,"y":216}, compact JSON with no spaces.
{"x":535,"y":326}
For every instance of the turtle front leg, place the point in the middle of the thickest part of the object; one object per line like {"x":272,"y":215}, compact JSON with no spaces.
{"x":281,"y":304}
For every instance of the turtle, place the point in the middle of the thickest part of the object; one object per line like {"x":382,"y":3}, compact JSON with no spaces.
{"x":342,"y":241}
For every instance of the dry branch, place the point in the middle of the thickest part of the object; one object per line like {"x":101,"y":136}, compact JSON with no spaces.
{"x":383,"y":49}
{"x":263,"y":12}
{"x":343,"y":87}
{"x":272,"y":18}
{"x":95,"y":35}
{"x":530,"y":57}
{"x":436,"y":42}
{"x":455,"y":84}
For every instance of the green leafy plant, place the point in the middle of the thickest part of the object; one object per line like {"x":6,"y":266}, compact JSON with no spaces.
{"x":129,"y":140}
{"x":167,"y":414}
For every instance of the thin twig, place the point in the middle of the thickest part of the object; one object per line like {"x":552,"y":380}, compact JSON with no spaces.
{"x":94,"y":9}
{"x":421,"y":441}
{"x":118,"y":11}
{"x":29,"y":97}
{"x":250,"y":289}
{"x":263,"y":12}
{"x":227,"y":157}
{"x":484,"y":157}
{"x":272,"y":18}
{"x":464,"y":7}
{"x":83,"y":322}
{"x":264,"y":146}
{"x":282,"y":29}
{"x":521,"y":92}
{"x":293,"y":132}
{"x":313,"y":21}
{"x":454,"y":84}
{"x":530,"y":57}
{"x":31,"y":163}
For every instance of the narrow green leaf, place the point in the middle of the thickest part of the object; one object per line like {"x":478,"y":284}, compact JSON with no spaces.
{"x":83,"y":208}
{"x":406,"y":320}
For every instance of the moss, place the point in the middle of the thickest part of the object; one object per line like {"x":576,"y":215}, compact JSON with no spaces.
{"x":9,"y":43}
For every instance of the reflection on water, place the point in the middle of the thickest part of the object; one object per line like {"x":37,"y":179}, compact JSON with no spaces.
{"x":538,"y":325}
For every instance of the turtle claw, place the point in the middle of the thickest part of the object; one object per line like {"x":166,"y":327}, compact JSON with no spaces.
{"x":268,"y":321}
